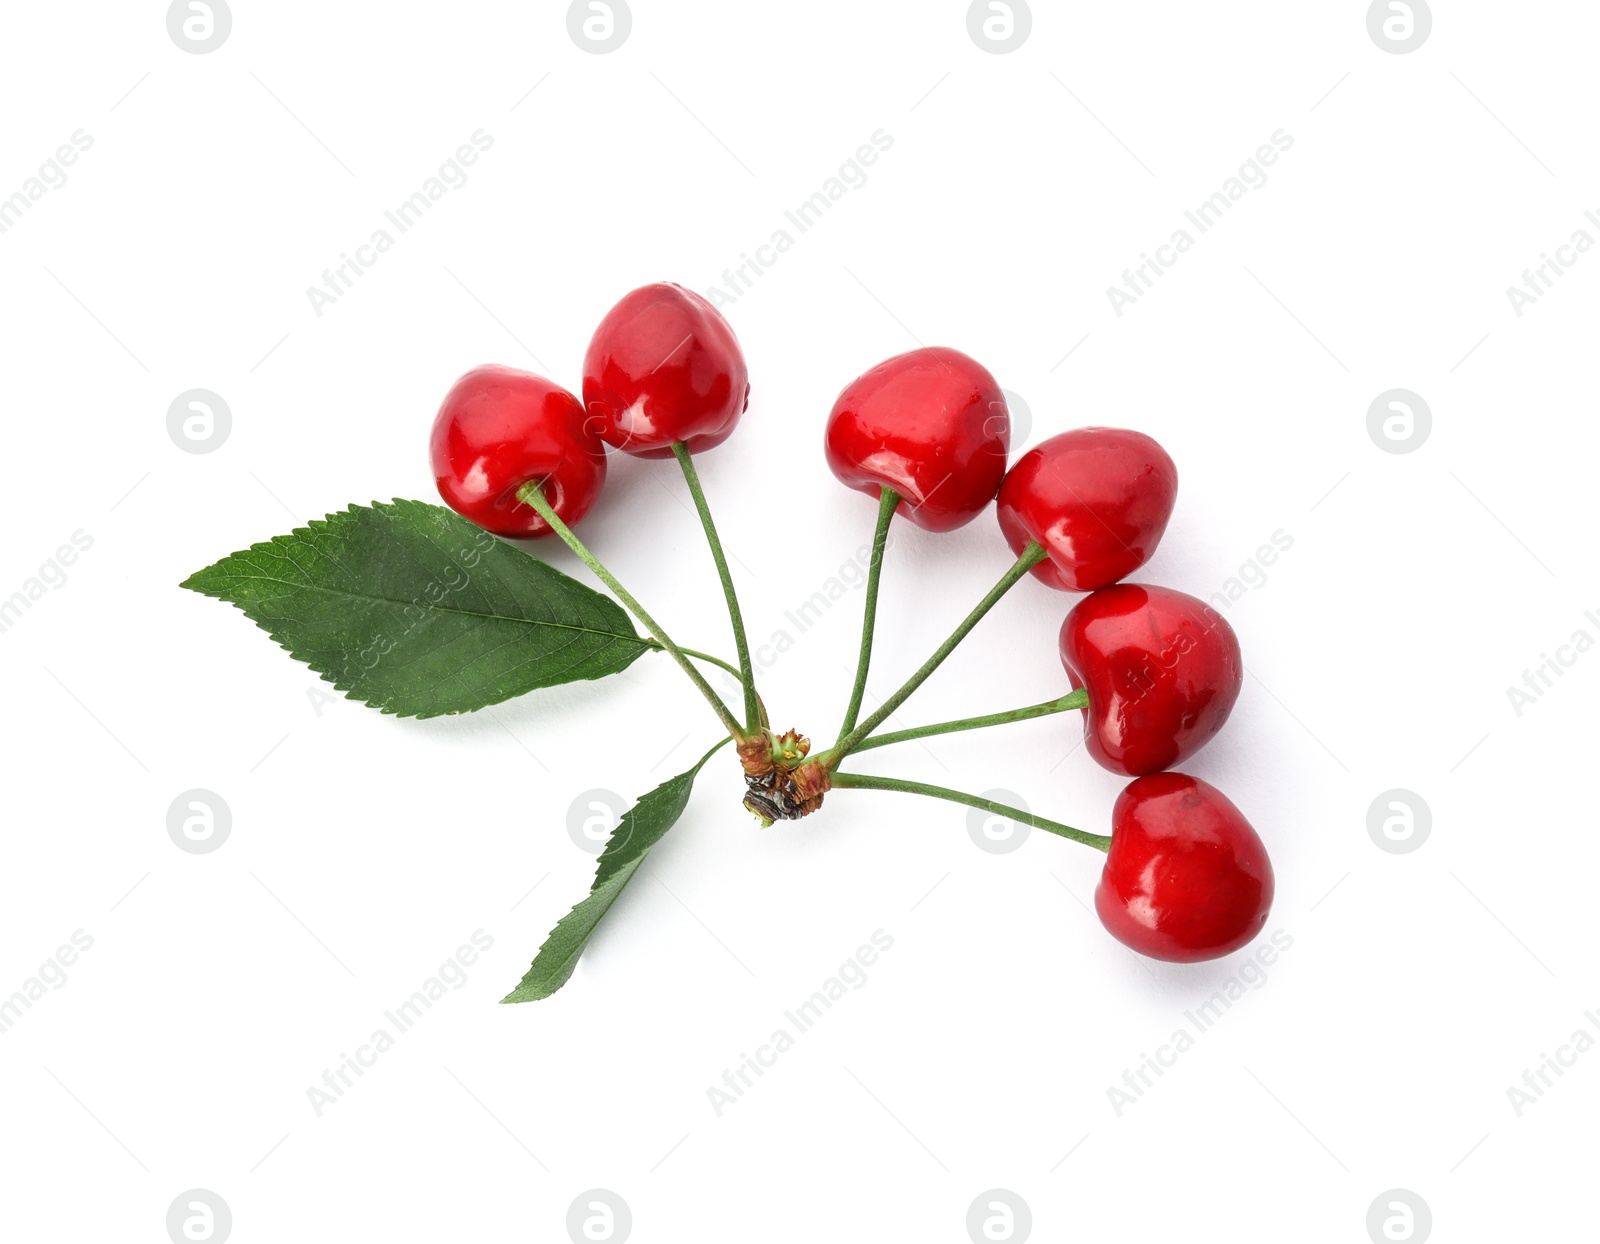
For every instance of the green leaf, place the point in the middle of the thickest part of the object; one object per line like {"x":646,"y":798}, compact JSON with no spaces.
{"x":641,"y":827}
{"x":412,"y":609}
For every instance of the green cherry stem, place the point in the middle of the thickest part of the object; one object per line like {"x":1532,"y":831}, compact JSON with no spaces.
{"x":532,"y":493}
{"x":752,"y":715}
{"x":1031,"y":557}
{"x":1072,"y":700}
{"x":888,"y":498}
{"x":733,"y":669}
{"x":863,"y":781}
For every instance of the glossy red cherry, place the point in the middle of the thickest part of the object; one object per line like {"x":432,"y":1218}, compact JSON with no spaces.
{"x":1098,"y":499}
{"x":931,"y":424}
{"x":499,"y":428}
{"x":663,"y":367}
{"x":1186,"y":877}
{"x":1163,"y":671}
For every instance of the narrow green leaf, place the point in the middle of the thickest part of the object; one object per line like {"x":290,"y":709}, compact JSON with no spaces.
{"x":641,"y":827}
{"x":412,"y":609}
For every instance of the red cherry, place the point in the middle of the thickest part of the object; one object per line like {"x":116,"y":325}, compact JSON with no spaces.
{"x":932,"y":424}
{"x":499,"y":428}
{"x":1098,"y":499}
{"x":1163,"y":671}
{"x":664,"y":367}
{"x":1186,"y":878}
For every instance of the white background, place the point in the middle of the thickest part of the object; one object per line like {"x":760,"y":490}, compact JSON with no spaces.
{"x":364,"y":850}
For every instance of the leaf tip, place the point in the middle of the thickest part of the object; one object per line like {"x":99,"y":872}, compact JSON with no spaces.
{"x":197,"y":582}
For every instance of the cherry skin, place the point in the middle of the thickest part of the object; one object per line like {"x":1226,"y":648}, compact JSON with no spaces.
{"x":663,"y":367}
{"x":1186,"y":878}
{"x":932,"y":424}
{"x":1098,"y":499}
{"x":497,"y":429}
{"x":1163,"y":672}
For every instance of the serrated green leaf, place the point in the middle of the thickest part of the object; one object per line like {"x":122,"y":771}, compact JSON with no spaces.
{"x":640,"y":828}
{"x":412,"y":609}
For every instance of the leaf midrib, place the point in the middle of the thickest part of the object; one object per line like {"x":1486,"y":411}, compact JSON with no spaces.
{"x":465,"y":613}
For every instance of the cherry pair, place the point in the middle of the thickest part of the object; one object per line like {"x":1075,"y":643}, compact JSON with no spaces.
{"x":663,"y":368}
{"x":933,"y":425}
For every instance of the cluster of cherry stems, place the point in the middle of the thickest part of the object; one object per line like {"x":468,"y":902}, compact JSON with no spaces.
{"x":1154,"y":671}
